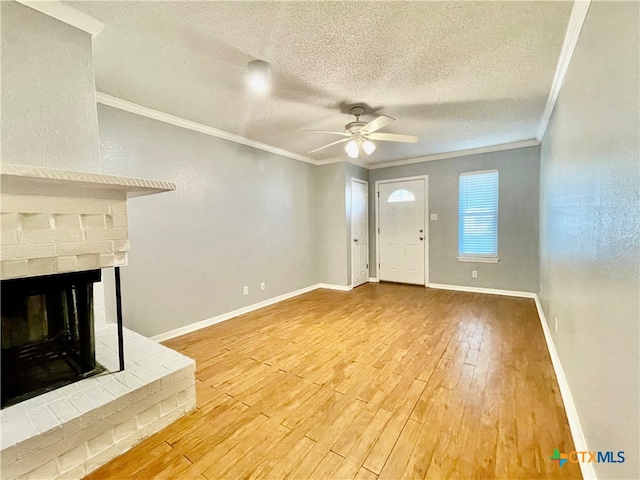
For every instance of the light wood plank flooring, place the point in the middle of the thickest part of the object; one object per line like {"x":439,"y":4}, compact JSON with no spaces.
{"x":387,"y":381}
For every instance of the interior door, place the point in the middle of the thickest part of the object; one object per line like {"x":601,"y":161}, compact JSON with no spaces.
{"x":359,"y":232}
{"x":401,"y":220}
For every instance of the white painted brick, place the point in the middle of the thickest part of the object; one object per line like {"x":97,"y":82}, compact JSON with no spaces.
{"x":72,"y":458}
{"x":167,"y":381}
{"x":15,"y":268}
{"x":36,"y":221}
{"x":169,"y":404}
{"x":58,"y":205}
{"x":8,"y":455}
{"x":125,"y":429}
{"x":48,"y":470}
{"x":81,"y":402}
{"x":9,"y":221}
{"x":88,"y":262}
{"x":120,"y":258}
{"x":36,"y":443}
{"x":154,"y":387}
{"x":67,"y":264}
{"x":116,"y":221}
{"x":185,"y":395}
{"x":118,"y":208}
{"x":148,"y":416}
{"x":83,"y":248}
{"x":107,"y":260}
{"x":108,"y":409}
{"x":25,"y":252}
{"x":161,"y":423}
{"x":106,"y":233}
{"x":121,"y":246}
{"x":71,"y":427}
{"x":43,"y":419}
{"x":9,"y":238}
{"x":42,"y":266}
{"x":100,"y":443}
{"x":138,"y":395}
{"x":94,"y":221}
{"x":103,"y":457}
{"x":190,"y":405}
{"x":74,"y":474}
{"x":50,"y":236}
{"x":67,"y":221}
{"x":63,"y":409}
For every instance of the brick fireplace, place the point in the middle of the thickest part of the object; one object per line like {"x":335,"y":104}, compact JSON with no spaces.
{"x":59,"y":229}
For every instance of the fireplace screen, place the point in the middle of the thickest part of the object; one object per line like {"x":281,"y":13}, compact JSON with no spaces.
{"x":47,"y":333}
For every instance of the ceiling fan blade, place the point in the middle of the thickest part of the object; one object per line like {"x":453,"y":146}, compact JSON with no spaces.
{"x":393,"y":137}
{"x":344,"y":134}
{"x":330,"y":144}
{"x":377,"y":124}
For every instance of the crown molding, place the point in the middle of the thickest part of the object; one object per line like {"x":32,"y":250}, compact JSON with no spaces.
{"x":458,"y":153}
{"x":354,"y":161}
{"x":67,"y":14}
{"x":131,"y":107}
{"x":574,"y":27}
{"x":120,"y":104}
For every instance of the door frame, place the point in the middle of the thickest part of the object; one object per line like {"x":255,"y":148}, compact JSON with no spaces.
{"x":426,"y":221}
{"x":366,"y":219}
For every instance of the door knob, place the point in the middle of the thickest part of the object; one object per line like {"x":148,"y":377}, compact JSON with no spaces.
{"x":421,"y":238}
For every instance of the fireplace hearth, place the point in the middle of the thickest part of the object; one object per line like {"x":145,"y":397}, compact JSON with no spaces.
{"x":47,"y":333}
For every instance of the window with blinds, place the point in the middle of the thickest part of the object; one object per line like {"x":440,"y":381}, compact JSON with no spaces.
{"x":478,"y":215}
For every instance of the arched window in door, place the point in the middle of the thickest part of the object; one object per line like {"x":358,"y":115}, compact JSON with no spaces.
{"x":401,"y":195}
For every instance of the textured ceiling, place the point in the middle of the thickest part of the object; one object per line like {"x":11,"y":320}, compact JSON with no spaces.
{"x":459,"y":74}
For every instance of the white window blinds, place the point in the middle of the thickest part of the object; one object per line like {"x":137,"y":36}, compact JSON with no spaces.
{"x":478,"y":214}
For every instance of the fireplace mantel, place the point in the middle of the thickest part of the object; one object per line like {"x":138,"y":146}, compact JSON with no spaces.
{"x":57,"y":221}
{"x":28,"y":180}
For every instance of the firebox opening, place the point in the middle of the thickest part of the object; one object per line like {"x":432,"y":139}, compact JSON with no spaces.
{"x":47,"y":333}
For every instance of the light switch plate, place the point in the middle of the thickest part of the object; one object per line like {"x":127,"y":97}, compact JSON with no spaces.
{"x":434,"y":216}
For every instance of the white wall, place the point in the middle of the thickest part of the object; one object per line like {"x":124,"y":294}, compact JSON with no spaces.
{"x":48,"y":92}
{"x":590,"y":231}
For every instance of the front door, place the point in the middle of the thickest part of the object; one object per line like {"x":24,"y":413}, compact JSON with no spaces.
{"x":359,"y":233}
{"x":402,"y":236}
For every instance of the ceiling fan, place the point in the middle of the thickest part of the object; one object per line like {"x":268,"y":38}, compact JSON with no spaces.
{"x":359,"y":135}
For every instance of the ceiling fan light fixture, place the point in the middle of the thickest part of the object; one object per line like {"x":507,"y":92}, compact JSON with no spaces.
{"x":259,"y":75}
{"x":369,"y":147}
{"x":352,"y":149}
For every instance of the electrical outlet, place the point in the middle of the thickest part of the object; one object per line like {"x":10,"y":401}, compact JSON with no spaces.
{"x":245,"y":291}
{"x":262,"y":286}
{"x":556,"y":324}
{"x":474,"y":274}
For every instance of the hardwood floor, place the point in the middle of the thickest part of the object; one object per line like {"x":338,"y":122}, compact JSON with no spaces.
{"x":387,"y":381}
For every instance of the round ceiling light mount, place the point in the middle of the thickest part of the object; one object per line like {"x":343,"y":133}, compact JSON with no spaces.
{"x":259,"y":75}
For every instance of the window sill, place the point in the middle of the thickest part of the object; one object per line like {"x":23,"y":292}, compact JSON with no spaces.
{"x":479,"y":259}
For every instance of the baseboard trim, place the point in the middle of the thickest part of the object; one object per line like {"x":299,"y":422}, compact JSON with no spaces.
{"x":489,"y":291}
{"x":374,"y":280}
{"x":229,"y":315}
{"x":331,"y":286}
{"x":579,"y":441}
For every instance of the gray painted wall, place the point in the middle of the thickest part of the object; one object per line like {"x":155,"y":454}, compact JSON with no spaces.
{"x":334,"y":221}
{"x":48,"y":93}
{"x":589,"y":231}
{"x":239,"y":216}
{"x":517,"y":218}
{"x":331,"y":224}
